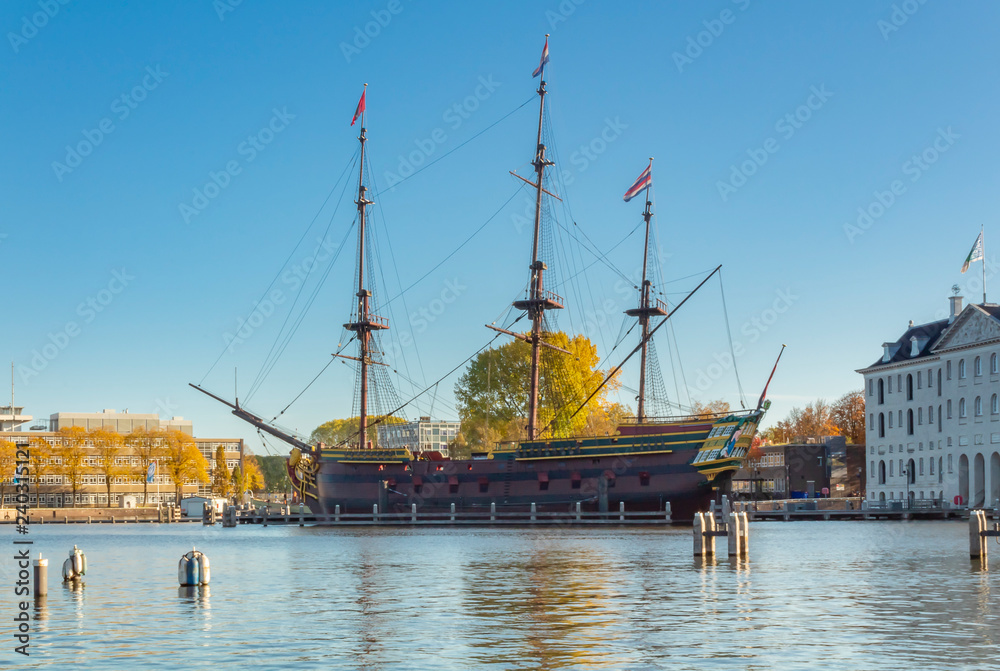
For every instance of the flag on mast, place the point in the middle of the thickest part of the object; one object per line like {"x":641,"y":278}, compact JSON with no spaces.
{"x":645,"y":179}
{"x":976,"y":254}
{"x":361,"y":106}
{"x":545,"y":59}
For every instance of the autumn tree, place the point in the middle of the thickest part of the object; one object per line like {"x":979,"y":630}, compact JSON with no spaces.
{"x":109,"y":446}
{"x":238,"y":481}
{"x":145,"y":447}
{"x":493,"y":391}
{"x":848,"y":415}
{"x":710,"y":409}
{"x":183,"y":461}
{"x":815,"y":420}
{"x":40,"y":461}
{"x":341,"y":431}
{"x":220,"y":473}
{"x":252,"y":474}
{"x":8,"y":465}
{"x":73,"y":455}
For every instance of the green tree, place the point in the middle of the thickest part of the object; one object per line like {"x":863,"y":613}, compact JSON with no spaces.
{"x":220,"y":473}
{"x":109,"y":446}
{"x":848,"y":415}
{"x":8,"y":465}
{"x":275,"y":470}
{"x":146,"y":447}
{"x":183,"y":461}
{"x":72,"y":454}
{"x":239,"y":482}
{"x":492,"y":394}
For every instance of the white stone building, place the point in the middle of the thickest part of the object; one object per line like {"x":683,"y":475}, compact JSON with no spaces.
{"x":933,"y":411}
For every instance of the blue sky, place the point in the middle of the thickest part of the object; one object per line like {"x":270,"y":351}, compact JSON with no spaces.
{"x":771,"y":124}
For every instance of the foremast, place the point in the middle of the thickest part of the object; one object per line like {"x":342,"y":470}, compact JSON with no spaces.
{"x":647,"y":307}
{"x":366,"y":322}
{"x":538,"y":300}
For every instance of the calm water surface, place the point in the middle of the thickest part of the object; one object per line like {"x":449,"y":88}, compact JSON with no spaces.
{"x":844,"y":595}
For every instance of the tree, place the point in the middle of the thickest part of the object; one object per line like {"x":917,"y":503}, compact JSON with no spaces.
{"x":813,"y":421}
{"x":275,"y":470}
{"x":710,"y":409}
{"x":848,"y":414}
{"x":340,"y":431}
{"x":146,"y":447}
{"x":73,"y":455}
{"x":109,"y":445}
{"x":40,"y":461}
{"x":251,"y":473}
{"x":183,"y":461}
{"x":220,"y":473}
{"x":8,"y":464}
{"x":605,"y":420}
{"x":493,"y":392}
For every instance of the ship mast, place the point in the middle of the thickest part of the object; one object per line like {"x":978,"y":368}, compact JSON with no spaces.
{"x":366,"y":322}
{"x":538,"y":300}
{"x":645,"y":309}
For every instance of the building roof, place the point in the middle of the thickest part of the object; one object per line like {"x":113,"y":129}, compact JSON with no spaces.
{"x":931,"y":331}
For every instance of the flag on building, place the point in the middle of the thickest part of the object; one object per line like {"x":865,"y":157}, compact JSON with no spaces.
{"x":361,"y":106}
{"x":645,"y":179}
{"x":545,"y":59}
{"x":976,"y":254}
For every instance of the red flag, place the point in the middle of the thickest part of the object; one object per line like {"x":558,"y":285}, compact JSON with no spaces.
{"x":361,"y":107}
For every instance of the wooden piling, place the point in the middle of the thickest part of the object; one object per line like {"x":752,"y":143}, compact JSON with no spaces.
{"x":413,"y":513}
{"x":621,"y":511}
{"x":699,"y":534}
{"x":977,"y":542}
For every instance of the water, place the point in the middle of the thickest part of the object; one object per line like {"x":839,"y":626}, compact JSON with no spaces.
{"x":846,"y":595}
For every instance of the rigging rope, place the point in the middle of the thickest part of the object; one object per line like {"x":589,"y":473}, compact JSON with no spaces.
{"x":732,"y":350}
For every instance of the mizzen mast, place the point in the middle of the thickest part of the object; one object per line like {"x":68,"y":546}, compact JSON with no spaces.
{"x":538,"y":300}
{"x":647,"y":307}
{"x":366,"y":322}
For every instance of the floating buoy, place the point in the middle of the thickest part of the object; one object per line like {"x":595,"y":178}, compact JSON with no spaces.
{"x":194,"y":569}
{"x":75,"y":566}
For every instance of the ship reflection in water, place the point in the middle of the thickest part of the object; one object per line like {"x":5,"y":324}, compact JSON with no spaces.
{"x":838,"y":595}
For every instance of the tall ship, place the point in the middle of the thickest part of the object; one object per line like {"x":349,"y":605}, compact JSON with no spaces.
{"x":647,"y":462}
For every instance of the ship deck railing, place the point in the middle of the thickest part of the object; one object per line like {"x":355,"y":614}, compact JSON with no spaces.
{"x":702,"y":416}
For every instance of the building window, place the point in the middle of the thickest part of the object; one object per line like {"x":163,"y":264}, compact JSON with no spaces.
{"x":931,"y":464}
{"x":930,"y":378}
{"x":881,"y":390}
{"x":961,"y":369}
{"x":920,"y":416}
{"x":891,"y":474}
{"x":909,"y":421}
{"x":940,"y":470}
{"x":994,"y":405}
{"x":939,"y":382}
{"x":978,"y":366}
{"x":979,"y":406}
{"x":948,"y":368}
{"x":930,"y":414}
{"x":890,"y":420}
{"x":899,"y":382}
{"x":881,"y":472}
{"x":920,"y":384}
{"x":950,"y":469}
{"x":949,"y":408}
{"x":901,"y":419}
{"x":881,"y":424}
{"x":909,"y":387}
{"x":993,"y":363}
{"x":921,"y":466}
{"x":871,"y":421}
{"x":890,"y":384}
{"x":871,"y":386}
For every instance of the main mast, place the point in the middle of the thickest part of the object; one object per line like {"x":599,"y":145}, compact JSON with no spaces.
{"x":646,"y":308}
{"x":366,"y":322}
{"x":538,"y":300}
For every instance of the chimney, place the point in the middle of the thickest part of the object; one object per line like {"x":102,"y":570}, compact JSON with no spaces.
{"x":956,"y":307}
{"x":889,"y":350}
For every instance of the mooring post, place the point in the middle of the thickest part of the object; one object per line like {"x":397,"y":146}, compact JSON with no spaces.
{"x":977,"y":542}
{"x":413,"y":513}
{"x":533,"y":510}
{"x":699,"y":534}
{"x":745,"y":528}
{"x":668,"y":520}
{"x":710,"y":527}
{"x":493,"y":511}
{"x":621,"y":511}
{"x":88,"y":519}
{"x":375,"y":512}
{"x":577,"y":511}
{"x":453,"y":512}
{"x":41,"y":576}
{"x":336,"y":513}
{"x":725,"y":508}
{"x":733,"y":534}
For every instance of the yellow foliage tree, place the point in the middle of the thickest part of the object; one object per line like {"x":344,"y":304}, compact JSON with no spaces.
{"x":710,"y":409}
{"x":253,"y":477}
{"x":72,"y":454}
{"x":110,"y":446}
{"x":183,"y":461}
{"x":40,"y":462}
{"x":146,"y":447}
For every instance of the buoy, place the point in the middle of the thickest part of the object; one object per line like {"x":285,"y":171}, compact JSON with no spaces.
{"x":75,"y":565}
{"x":194,"y":569}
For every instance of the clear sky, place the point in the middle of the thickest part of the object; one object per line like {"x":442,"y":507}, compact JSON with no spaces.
{"x":771,"y":124}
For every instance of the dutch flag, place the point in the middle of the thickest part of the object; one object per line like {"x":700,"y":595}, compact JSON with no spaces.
{"x":545,"y":59}
{"x":645,"y":179}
